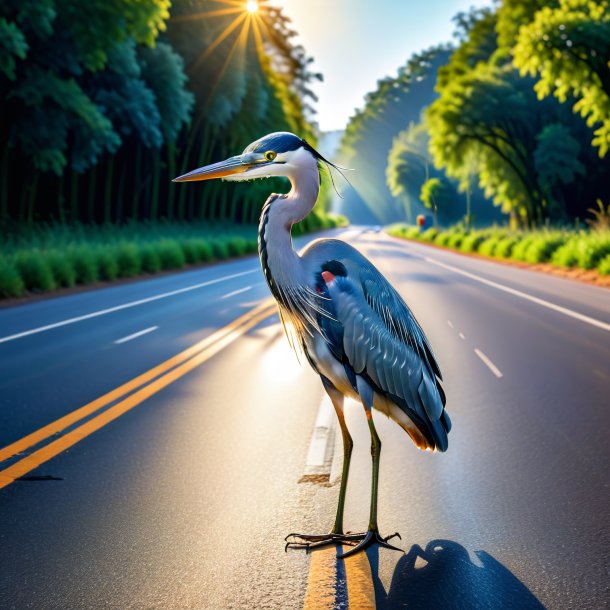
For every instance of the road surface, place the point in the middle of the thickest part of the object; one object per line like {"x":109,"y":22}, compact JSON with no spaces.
{"x":176,"y":491}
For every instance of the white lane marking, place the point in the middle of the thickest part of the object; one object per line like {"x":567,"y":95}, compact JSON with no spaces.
{"x":103,"y":312}
{"x":321,"y":446}
{"x":492,"y":367}
{"x":136,"y":335}
{"x":232,"y":294}
{"x":450,"y":323}
{"x":461,"y":336}
{"x":528,"y":297}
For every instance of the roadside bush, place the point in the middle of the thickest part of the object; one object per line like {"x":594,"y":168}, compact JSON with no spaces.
{"x":566,"y":255}
{"x":521,"y":248}
{"x":149,"y":259}
{"x":442,"y":238}
{"x":604,"y":265}
{"x":541,"y":248}
{"x":11,"y":284}
{"x":504,"y":247}
{"x":592,"y":249}
{"x":35,"y":271}
{"x":128,"y":258}
{"x":472,"y":241}
{"x":84,"y":264}
{"x":170,"y":254}
{"x":455,"y":239}
{"x":107,"y":264}
{"x":429,"y":235}
{"x":220,"y":249}
{"x":237,"y":246}
{"x":62,"y":268}
{"x":489,"y":245}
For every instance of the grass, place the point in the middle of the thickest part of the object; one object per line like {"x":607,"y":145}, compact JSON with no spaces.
{"x":47,"y":257}
{"x":562,"y":248}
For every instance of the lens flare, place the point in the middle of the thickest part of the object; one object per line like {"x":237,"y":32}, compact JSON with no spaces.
{"x":252,"y":6}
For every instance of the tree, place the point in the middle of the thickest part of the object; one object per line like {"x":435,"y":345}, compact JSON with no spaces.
{"x":369,"y":135}
{"x":568,"y":48}
{"x":437,"y":195}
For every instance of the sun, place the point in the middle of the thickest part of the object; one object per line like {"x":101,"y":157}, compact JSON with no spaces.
{"x":252,"y":6}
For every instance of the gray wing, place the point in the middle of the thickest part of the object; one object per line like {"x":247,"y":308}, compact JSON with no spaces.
{"x":375,"y":333}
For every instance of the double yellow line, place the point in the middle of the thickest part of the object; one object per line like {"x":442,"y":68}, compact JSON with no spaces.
{"x":159,"y":377}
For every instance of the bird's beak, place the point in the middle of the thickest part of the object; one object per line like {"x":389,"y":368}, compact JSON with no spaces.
{"x":229,"y":167}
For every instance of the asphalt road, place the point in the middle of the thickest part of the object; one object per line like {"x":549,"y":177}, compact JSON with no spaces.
{"x":183,"y":501}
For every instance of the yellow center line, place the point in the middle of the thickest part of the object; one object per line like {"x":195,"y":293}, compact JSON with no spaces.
{"x":183,"y":362}
{"x":324,"y":581}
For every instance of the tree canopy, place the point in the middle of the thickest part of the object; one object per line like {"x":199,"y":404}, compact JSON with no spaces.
{"x":105,"y":101}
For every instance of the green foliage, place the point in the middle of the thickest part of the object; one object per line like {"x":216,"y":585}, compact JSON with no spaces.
{"x":12,"y":47}
{"x":530,"y":154}
{"x":96,"y":97}
{"x":604,"y":265}
{"x":11,"y":283}
{"x":107,"y":263}
{"x":568,"y":46}
{"x":62,"y":269}
{"x":84,"y":262}
{"x":472,"y":241}
{"x":35,"y":271}
{"x":541,"y":248}
{"x":151,"y":262}
{"x":564,"y":248}
{"x":170,"y":254}
{"x":429,"y":234}
{"x":128,"y":259}
{"x":504,"y":246}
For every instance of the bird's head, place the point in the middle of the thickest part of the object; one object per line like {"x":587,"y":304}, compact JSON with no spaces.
{"x":277,"y":154}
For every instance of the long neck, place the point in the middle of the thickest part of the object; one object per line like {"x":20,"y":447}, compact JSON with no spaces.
{"x":281,"y":264}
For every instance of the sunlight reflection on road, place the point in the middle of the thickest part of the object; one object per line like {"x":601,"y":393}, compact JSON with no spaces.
{"x":279,"y":363}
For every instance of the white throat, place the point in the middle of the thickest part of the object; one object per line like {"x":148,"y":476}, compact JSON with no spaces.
{"x":284,"y":264}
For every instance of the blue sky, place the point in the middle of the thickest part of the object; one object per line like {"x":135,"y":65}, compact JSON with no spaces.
{"x":357,"y":42}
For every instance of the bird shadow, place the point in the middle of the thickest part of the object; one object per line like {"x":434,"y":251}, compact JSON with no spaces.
{"x":446,"y":577}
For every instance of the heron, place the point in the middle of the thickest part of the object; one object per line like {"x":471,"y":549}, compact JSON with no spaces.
{"x":351,"y":324}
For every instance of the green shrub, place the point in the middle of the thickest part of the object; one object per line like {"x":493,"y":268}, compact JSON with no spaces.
{"x":442,"y":238}
{"x":521,"y":247}
{"x":429,"y":235}
{"x":472,"y":241}
{"x":455,"y":239}
{"x":62,"y":268}
{"x":189,"y":249}
{"x":84,"y":263}
{"x":592,"y":248}
{"x":566,"y":255}
{"x":107,"y":264}
{"x":541,"y":248}
{"x":151,"y":263}
{"x":488,"y":246}
{"x":11,"y":284}
{"x":504,"y":247}
{"x":170,"y":254}
{"x":35,"y":271}
{"x":237,"y":246}
{"x":128,"y":258}
{"x":203,"y":250}
{"x":220,"y":249}
{"x":604,"y":265}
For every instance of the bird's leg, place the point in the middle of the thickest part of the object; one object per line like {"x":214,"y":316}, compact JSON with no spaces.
{"x":372,"y":536}
{"x":336,"y":535}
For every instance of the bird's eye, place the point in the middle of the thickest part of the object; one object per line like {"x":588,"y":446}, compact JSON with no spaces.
{"x":270,"y":155}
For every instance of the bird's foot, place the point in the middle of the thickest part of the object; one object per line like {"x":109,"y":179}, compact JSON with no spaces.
{"x":370,"y":538}
{"x":359,"y":542}
{"x":315,"y":541}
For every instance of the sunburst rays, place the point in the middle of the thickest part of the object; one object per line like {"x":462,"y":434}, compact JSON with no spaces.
{"x":237,"y":32}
